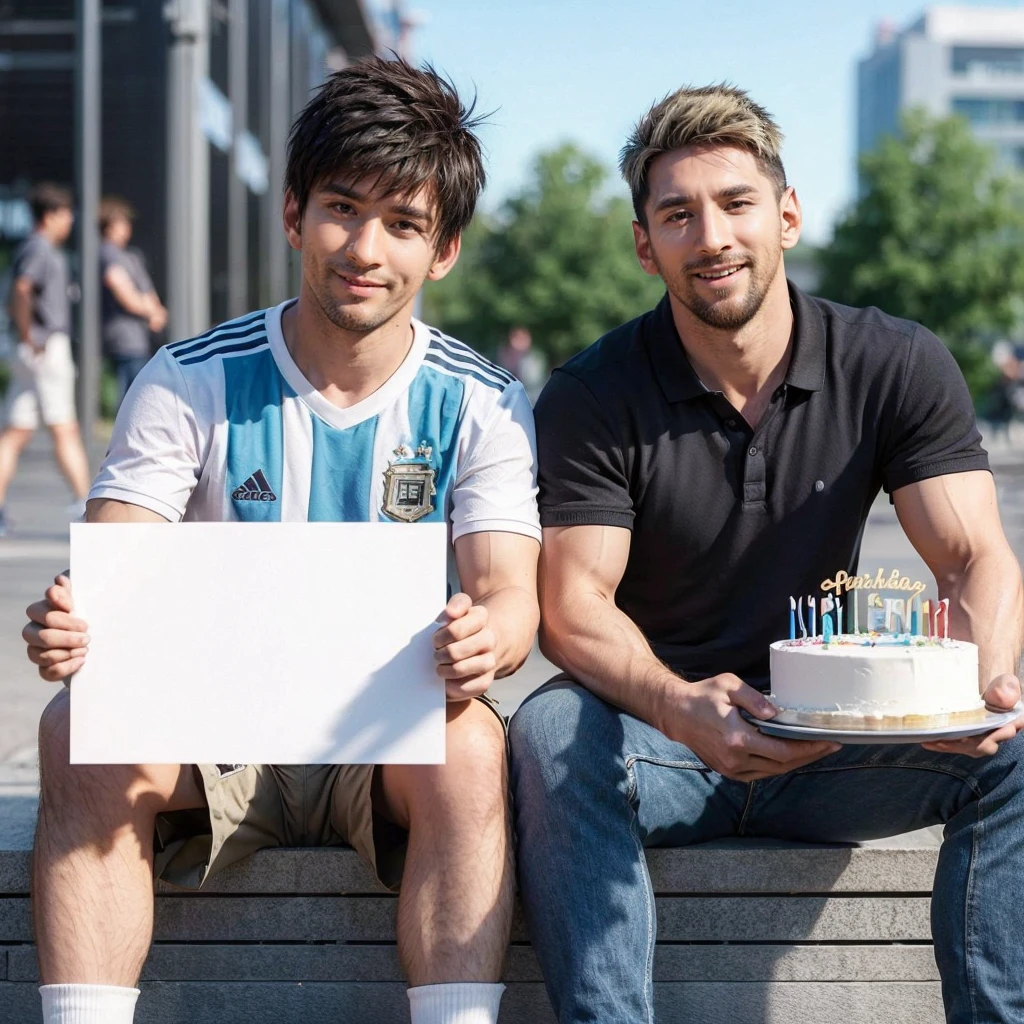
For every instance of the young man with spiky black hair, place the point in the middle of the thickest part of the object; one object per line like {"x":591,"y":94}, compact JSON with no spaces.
{"x":306,"y":406}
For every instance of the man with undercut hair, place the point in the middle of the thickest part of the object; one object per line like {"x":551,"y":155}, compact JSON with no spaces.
{"x":297,"y":413}
{"x":698,"y":466}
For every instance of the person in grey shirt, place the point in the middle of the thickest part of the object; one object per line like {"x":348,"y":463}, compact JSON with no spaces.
{"x":131,"y":307}
{"x":42,"y":387}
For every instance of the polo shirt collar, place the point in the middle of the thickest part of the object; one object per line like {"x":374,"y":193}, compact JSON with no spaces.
{"x":807,"y":364}
{"x":680,"y":383}
{"x":676,"y":377}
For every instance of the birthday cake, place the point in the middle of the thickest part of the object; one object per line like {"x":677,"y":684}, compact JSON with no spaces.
{"x":901,"y":672}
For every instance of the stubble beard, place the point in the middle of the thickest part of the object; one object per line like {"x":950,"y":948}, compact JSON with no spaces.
{"x":728,"y":314}
{"x":346,"y":319}
{"x":354,"y":318}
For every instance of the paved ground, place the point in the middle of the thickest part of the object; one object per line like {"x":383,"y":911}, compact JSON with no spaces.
{"x":37,"y":550}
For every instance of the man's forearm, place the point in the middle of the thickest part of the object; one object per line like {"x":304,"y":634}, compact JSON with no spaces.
{"x":601,"y":647}
{"x":21,"y":313}
{"x":986,"y":604}
{"x":513,"y":616}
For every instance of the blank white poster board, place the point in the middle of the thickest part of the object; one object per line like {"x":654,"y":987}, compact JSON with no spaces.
{"x":258,"y":643}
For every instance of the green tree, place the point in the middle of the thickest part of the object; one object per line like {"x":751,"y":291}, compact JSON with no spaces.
{"x":557,"y":258}
{"x":936,"y":236}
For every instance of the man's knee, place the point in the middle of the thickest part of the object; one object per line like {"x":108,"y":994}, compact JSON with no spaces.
{"x":473,"y":780}
{"x":157,"y":787}
{"x":55,"y":732}
{"x":567,"y":744}
{"x":16,"y":437}
{"x":476,"y":761}
{"x":474,"y":735}
{"x":562,"y":720}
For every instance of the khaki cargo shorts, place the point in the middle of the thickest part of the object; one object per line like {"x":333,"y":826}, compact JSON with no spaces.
{"x":254,"y":806}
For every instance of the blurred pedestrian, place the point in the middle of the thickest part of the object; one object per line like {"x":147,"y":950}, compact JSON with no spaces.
{"x":521,"y":359}
{"x":131,"y":307}
{"x":42,"y":387}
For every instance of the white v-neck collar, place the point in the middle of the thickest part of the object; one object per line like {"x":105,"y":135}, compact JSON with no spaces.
{"x":370,"y":406}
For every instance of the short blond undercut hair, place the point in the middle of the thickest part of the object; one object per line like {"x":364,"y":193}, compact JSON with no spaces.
{"x":714,"y":115}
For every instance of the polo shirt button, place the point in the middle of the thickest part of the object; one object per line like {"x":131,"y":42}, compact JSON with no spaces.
{"x":752,"y":450}
{"x":730,"y":423}
{"x":819,"y":485}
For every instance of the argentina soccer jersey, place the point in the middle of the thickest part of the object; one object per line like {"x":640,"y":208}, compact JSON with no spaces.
{"x":225,"y":427}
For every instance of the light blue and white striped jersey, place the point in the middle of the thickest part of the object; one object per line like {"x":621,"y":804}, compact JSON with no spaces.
{"x":225,"y":427}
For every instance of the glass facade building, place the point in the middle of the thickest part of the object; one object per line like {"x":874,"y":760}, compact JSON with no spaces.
{"x":952,"y":60}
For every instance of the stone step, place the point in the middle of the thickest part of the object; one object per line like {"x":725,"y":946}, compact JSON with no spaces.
{"x":899,"y":864}
{"x":875,"y":1002}
{"x":372,"y":919}
{"x":379,"y":962}
{"x":749,"y":930}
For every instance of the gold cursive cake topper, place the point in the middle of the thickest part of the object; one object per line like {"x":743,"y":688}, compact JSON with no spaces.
{"x":845,"y":582}
{"x":897,"y":619}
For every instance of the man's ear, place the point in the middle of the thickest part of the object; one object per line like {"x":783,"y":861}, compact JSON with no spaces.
{"x":292,"y":220}
{"x":792,"y":218}
{"x":642,"y":242}
{"x":445,"y":259}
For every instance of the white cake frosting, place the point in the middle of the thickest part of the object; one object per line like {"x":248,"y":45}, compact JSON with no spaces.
{"x":872,"y":681}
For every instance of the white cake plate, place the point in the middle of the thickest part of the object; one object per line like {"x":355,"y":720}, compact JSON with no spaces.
{"x":860,"y":737}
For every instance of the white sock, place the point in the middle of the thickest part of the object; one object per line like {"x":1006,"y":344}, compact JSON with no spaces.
{"x":463,"y":1003}
{"x":88,"y":1004}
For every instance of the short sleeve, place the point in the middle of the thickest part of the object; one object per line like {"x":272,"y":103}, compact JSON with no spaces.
{"x":496,"y":486}
{"x":934,"y":431}
{"x":581,"y":459}
{"x":108,"y":257}
{"x":154,"y":459}
{"x":32,"y":262}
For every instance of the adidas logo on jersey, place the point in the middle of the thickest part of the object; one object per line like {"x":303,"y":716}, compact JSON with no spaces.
{"x":256,"y":488}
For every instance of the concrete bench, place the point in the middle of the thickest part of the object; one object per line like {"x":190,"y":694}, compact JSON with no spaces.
{"x":749,"y":931}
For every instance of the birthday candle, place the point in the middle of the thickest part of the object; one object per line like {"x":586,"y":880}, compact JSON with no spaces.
{"x":945,"y":618}
{"x":810,"y":612}
{"x":800,"y":617}
{"x":839,"y":616}
{"x":826,"y":628}
{"x":856,"y":619}
{"x":913,"y":616}
{"x":792,"y":619}
{"x":825,"y":606}
{"x":926,"y":611}
{"x":899,"y":612}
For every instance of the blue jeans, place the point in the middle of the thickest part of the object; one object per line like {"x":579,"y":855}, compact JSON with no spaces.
{"x":593,"y":786}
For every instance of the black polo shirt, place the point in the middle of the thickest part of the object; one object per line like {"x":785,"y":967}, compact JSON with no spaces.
{"x":728,"y":522}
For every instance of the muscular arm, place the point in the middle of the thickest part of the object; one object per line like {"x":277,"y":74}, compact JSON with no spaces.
{"x":489,"y":627}
{"x":499,"y":572}
{"x":106,"y":510}
{"x":953,"y":522}
{"x":21,"y":307}
{"x":584,"y":633}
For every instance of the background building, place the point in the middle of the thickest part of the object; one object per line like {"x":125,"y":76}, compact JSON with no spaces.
{"x":196,"y":100}
{"x":953,"y":60}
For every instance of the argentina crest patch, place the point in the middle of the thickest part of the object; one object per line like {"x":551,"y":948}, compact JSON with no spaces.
{"x":409,"y":484}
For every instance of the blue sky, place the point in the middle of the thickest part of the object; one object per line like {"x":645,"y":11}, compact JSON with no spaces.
{"x":585,"y":71}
